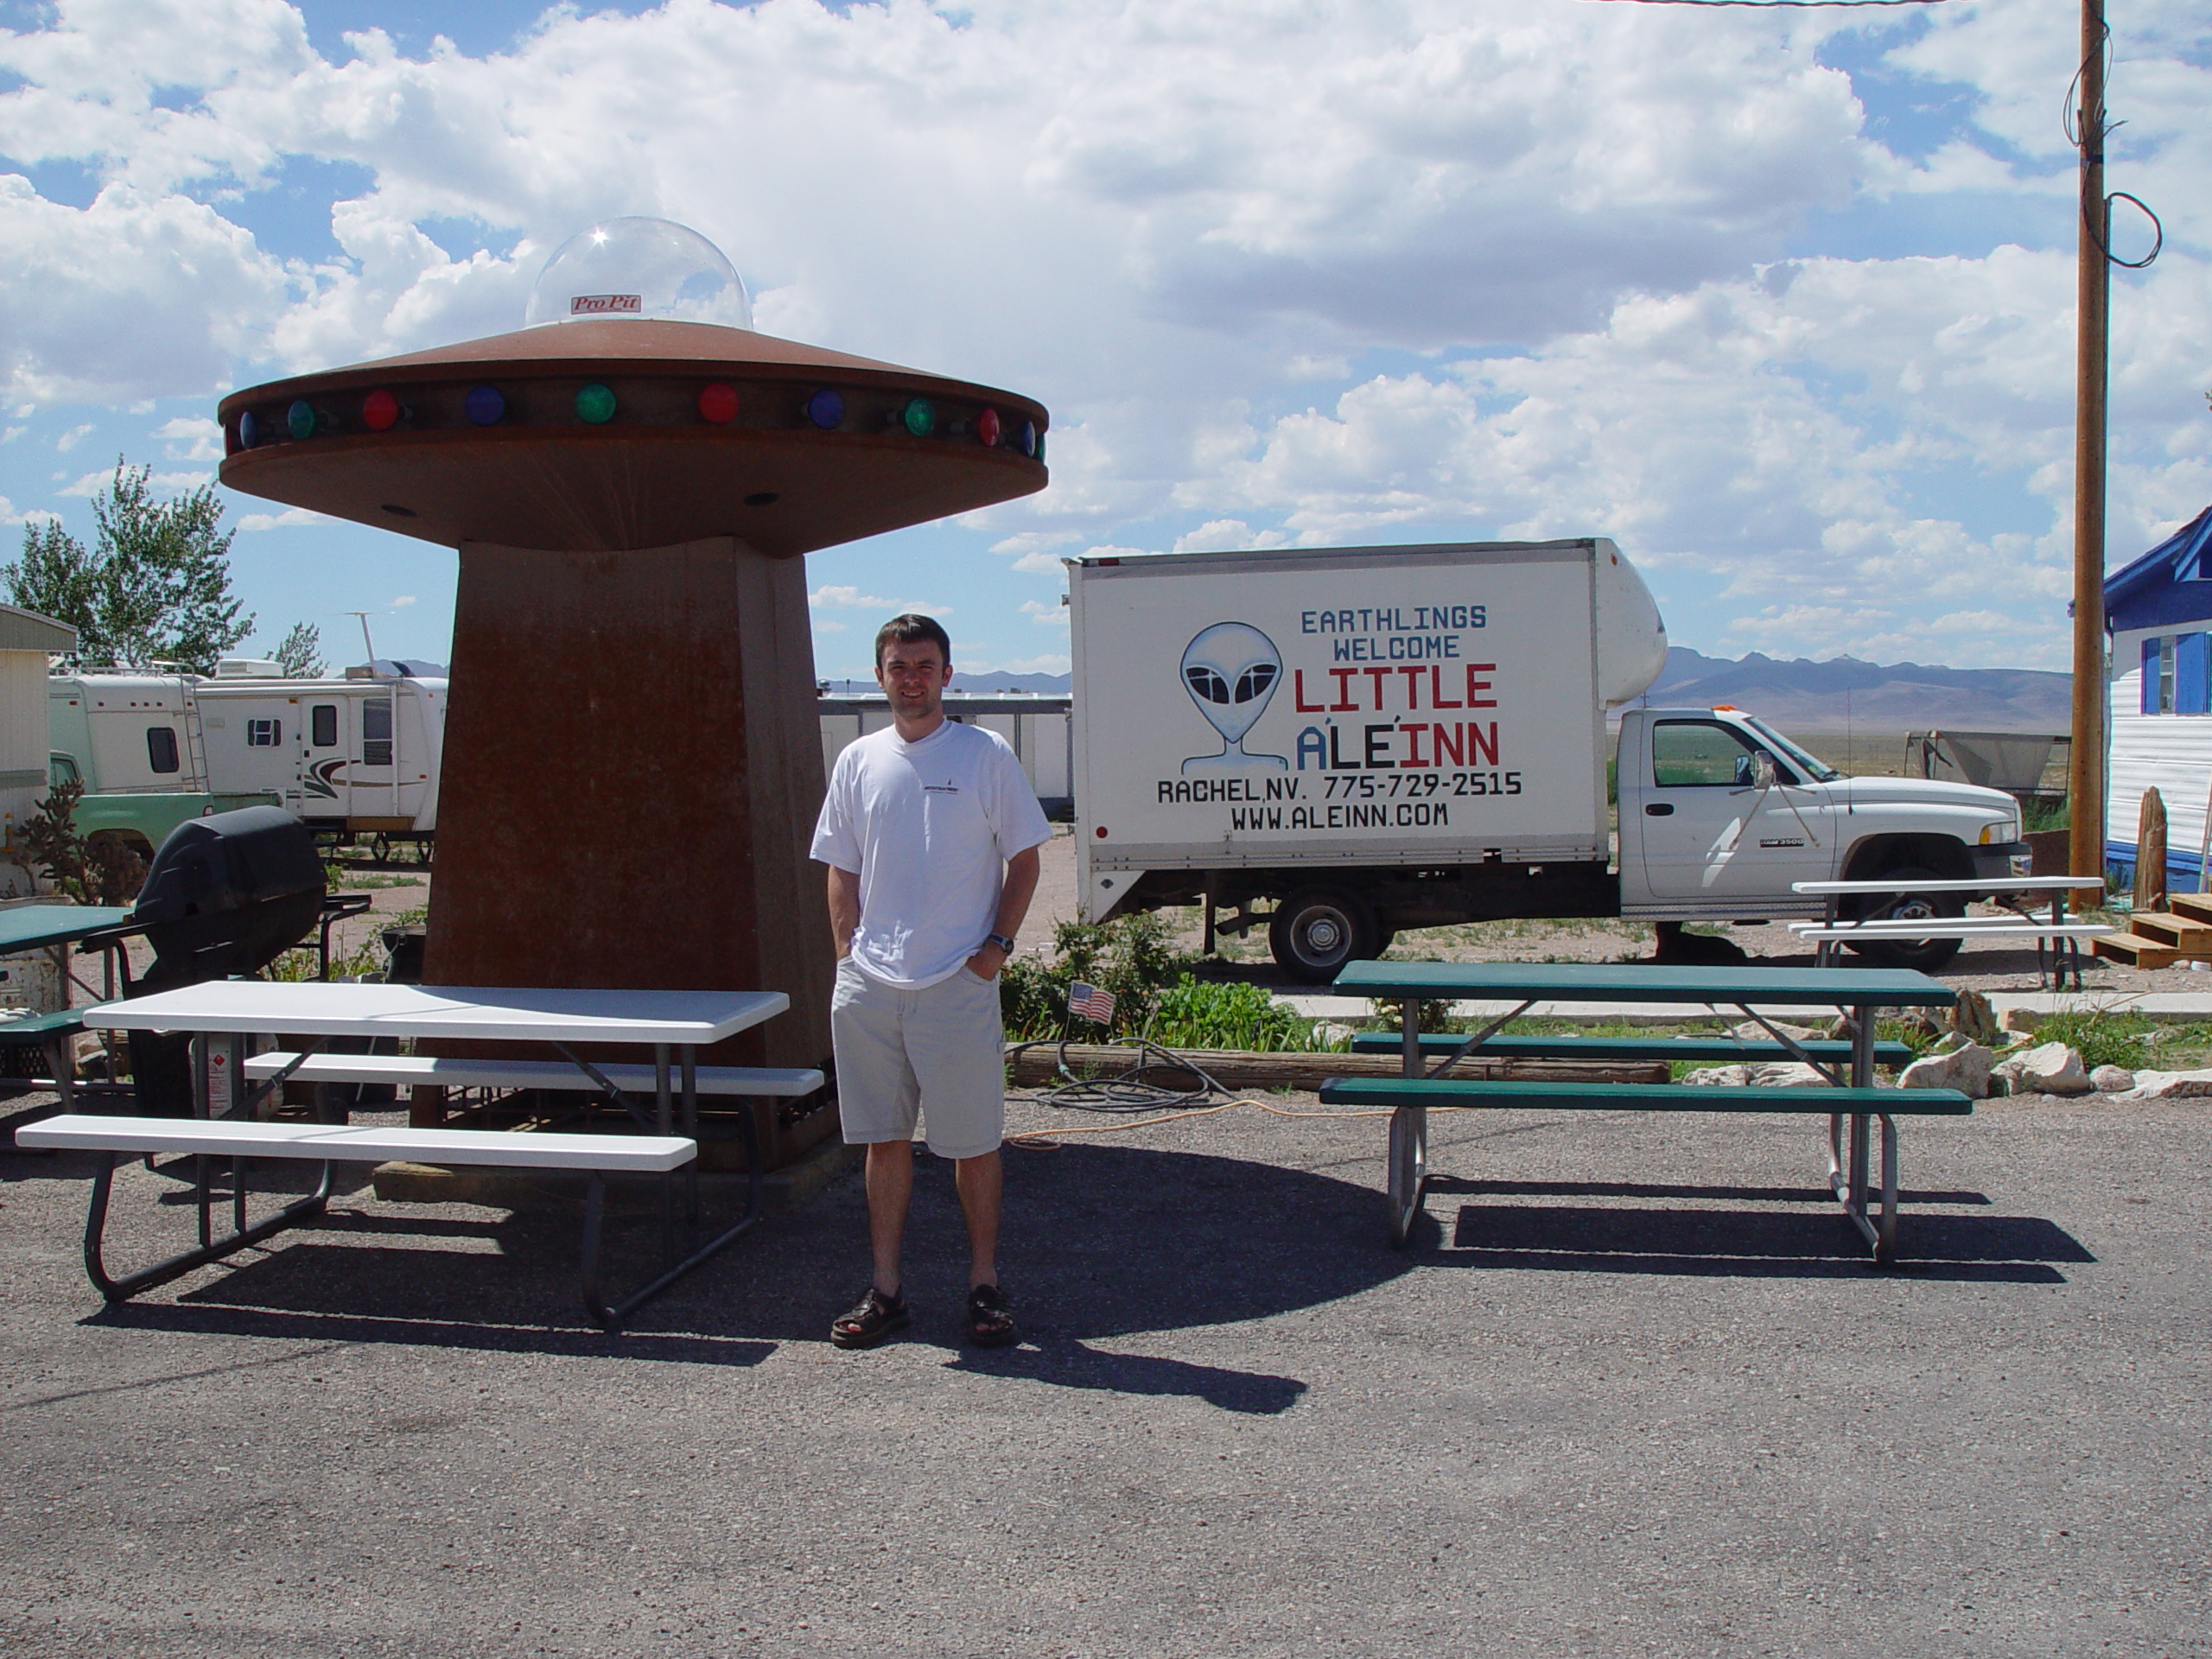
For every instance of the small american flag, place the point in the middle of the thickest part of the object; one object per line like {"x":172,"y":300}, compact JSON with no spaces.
{"x":1091,"y":1002}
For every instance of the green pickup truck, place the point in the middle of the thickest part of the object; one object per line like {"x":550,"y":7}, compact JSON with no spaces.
{"x":142,"y":822}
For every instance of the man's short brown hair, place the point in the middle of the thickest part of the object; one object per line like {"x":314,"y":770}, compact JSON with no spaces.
{"x":911,"y":629}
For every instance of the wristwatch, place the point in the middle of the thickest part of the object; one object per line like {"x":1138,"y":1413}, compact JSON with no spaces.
{"x":1004,"y":943}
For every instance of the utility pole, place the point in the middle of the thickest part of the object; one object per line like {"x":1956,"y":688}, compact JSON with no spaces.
{"x":2085,"y":771}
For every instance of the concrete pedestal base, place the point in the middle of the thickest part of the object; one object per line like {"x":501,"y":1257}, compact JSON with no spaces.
{"x":633,"y":767}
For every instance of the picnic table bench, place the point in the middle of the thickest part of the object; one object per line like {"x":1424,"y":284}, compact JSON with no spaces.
{"x":675,"y":1023}
{"x":1850,"y":1097}
{"x":619,"y":1081}
{"x":1711,"y":1051}
{"x":2058,"y":942}
{"x":124,"y":1138}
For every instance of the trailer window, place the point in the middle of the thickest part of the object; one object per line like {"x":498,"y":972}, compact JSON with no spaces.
{"x":263,"y":734}
{"x":62,"y":769}
{"x":376,"y":732}
{"x":322,"y":725}
{"x":161,"y":749}
{"x":1701,"y":754}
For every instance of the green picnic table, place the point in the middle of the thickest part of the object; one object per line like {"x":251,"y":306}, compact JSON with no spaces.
{"x":1850,"y":1093}
{"x":55,"y":929}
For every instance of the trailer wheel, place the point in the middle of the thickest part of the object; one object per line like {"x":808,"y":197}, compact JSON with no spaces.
{"x":1922,"y":954}
{"x":1315,"y":931}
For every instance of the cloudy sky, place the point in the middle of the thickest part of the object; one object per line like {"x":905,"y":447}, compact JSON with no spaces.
{"x":1779,"y":299}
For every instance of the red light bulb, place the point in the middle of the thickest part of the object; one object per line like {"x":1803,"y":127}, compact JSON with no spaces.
{"x":718,"y":402}
{"x":380,"y":410}
{"x":987,"y":428}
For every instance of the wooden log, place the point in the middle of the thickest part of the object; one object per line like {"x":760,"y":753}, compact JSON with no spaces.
{"x":2151,"y":852}
{"x":1037,"y":1066}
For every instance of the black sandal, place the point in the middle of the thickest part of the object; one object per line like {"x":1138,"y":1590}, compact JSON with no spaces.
{"x":869,"y":1320}
{"x":990,"y":1318}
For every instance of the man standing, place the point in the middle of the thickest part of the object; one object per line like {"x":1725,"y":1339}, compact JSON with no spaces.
{"x":930,"y":833}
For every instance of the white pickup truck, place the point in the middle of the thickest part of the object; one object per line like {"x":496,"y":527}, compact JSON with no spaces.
{"x":1370,"y":740}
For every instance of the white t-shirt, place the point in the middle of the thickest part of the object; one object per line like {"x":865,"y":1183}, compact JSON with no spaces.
{"x":928,"y":828}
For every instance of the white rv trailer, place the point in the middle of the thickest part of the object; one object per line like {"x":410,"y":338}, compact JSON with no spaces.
{"x":1036,"y":725}
{"x":360,"y":754}
{"x":357,"y":754}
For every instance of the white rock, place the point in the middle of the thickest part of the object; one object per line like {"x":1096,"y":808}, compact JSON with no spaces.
{"x":2020,"y":1020}
{"x":1965,"y":1069}
{"x":1719,"y":1077}
{"x":1327,"y":1034}
{"x":2046,"y":1069}
{"x":2111,"y":1079}
{"x":1972,"y":1014}
{"x":1787,"y":1074}
{"x":2170,"y":1086}
{"x":1750,"y":1031}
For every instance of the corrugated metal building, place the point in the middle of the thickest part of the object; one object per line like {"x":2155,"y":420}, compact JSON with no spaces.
{"x":2158,"y":612}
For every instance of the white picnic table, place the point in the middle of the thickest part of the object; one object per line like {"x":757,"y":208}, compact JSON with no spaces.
{"x":2053,"y":933}
{"x":674,"y":1023}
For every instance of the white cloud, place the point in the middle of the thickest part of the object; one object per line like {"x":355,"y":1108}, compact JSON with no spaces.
{"x":1054,"y":615}
{"x":1551,"y":245}
{"x":849,"y":598}
{"x":73,"y":437}
{"x":1218,"y":535}
{"x":402,"y":601}
{"x":28,"y":515}
{"x":190,"y":438}
{"x":289,"y":517}
{"x":132,"y":296}
{"x":1050,"y":663}
{"x":1696,"y":431}
{"x":90,"y":484}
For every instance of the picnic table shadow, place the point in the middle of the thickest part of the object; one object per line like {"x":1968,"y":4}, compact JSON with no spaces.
{"x":1105,"y":1243}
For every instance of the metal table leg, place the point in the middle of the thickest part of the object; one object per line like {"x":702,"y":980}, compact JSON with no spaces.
{"x":1849,"y":1181}
{"x":611,"y":1315}
{"x":1408,"y":1170}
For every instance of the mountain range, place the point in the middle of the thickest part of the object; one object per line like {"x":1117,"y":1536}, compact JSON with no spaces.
{"x":1796,"y":694}
{"x":1843,"y":693}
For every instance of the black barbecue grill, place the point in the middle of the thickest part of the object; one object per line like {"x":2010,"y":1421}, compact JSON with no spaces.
{"x":226,"y":896}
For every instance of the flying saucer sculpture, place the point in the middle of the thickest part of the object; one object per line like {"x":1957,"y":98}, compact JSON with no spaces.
{"x":633,"y":758}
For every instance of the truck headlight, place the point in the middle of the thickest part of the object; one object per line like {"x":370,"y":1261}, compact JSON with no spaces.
{"x":1995,"y":834}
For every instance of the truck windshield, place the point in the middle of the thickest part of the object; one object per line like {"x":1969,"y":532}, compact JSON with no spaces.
{"x":1818,"y":770}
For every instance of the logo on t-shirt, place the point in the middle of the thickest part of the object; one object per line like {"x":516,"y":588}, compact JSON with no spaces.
{"x":948,"y":787}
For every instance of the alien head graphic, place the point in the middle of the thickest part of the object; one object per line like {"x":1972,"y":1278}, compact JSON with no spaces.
{"x":1231,"y":670}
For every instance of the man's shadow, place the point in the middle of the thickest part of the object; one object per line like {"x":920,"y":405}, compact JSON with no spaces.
{"x":1103,"y":1243}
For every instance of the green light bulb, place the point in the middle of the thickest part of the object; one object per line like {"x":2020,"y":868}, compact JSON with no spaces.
{"x":595,"y":403}
{"x":920,"y":416}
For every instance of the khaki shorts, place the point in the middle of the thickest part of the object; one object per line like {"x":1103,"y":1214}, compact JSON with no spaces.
{"x":936,"y":1054}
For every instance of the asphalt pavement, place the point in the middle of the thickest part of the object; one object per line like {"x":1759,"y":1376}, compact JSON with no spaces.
{"x":1633,"y":1391}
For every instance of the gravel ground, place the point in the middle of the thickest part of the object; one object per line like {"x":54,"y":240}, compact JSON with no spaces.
{"x":1633,"y":1391}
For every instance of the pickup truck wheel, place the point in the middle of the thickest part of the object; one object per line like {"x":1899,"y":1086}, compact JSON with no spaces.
{"x":1922,"y":954}
{"x":1314,"y":932}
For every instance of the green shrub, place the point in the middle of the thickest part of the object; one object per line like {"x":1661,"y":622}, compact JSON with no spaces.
{"x":1129,"y":956}
{"x":2121,"y":1039}
{"x":1201,"y":1013}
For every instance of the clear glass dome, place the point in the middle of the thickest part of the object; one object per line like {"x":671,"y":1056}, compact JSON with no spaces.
{"x":637,"y":267}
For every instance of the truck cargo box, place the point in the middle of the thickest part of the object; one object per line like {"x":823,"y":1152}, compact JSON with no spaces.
{"x":1434,"y":705}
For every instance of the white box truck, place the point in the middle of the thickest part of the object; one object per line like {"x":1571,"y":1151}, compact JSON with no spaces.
{"x":1373,"y":738}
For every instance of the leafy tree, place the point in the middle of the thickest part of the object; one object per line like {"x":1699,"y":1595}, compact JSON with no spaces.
{"x":299,"y":653}
{"x":156,"y":585}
